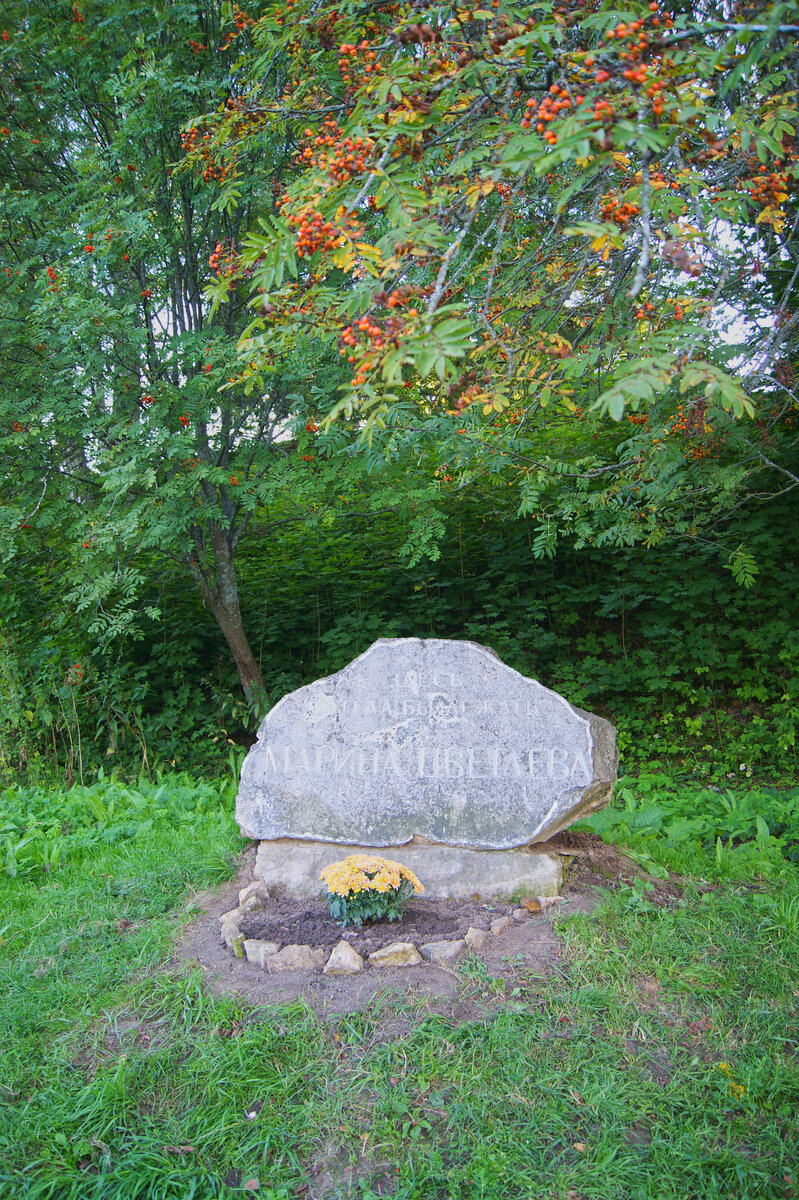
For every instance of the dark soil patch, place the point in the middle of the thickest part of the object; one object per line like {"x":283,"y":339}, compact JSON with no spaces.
{"x":595,"y":863}
{"x":308,"y":923}
{"x":530,"y":949}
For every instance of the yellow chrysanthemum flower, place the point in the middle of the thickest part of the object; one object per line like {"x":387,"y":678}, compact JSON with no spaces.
{"x":367,"y":872}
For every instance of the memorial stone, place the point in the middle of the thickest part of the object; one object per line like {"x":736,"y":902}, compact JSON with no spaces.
{"x":424,"y":740}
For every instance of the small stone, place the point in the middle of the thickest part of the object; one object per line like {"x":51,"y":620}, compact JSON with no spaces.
{"x":398,"y":954}
{"x":233,"y":914}
{"x":344,"y":960}
{"x":296,"y":958}
{"x":256,"y":891}
{"x":520,"y":914}
{"x":475,"y":938}
{"x":443,"y":953}
{"x":229,"y":932}
{"x":257,"y":950}
{"x":532,"y":904}
{"x":499,"y":926}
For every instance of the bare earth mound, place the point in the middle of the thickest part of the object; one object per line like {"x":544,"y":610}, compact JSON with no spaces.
{"x":530,"y":944}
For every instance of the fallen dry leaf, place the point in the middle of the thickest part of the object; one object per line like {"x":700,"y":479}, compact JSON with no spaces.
{"x":252,"y":1185}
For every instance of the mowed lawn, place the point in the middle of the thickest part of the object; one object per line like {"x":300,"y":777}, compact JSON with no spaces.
{"x":658,"y":1061}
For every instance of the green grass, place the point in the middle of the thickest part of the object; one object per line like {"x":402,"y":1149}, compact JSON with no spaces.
{"x":658,"y":1062}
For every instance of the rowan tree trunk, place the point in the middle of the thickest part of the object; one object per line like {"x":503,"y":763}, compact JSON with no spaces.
{"x":221,"y":594}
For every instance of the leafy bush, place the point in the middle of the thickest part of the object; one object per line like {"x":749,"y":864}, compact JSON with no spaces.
{"x":695,"y":830}
{"x":41,"y":827}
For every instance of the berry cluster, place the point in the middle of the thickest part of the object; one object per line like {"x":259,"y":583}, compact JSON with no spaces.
{"x":692,"y":424}
{"x":313,"y":232}
{"x":400,"y":297}
{"x":769,"y":189}
{"x":197,"y":144}
{"x":557,"y":101}
{"x":613,"y":210}
{"x":242,"y":23}
{"x":414,"y":35}
{"x":369,"y":67}
{"x":223,"y":261}
{"x":366,"y":338}
{"x":350,"y":337}
{"x":342,"y":157}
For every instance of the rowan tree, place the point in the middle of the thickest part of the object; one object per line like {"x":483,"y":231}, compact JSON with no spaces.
{"x":124,"y":433}
{"x":556,"y":241}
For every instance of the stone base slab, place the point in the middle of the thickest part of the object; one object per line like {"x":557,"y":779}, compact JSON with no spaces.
{"x":289,"y":867}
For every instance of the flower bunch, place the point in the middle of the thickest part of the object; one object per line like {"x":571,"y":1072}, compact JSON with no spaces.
{"x":365,"y":887}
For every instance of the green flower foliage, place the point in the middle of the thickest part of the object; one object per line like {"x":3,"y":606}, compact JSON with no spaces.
{"x":356,"y":909}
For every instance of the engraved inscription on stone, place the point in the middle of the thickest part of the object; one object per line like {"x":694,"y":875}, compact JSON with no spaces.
{"x":430,"y":738}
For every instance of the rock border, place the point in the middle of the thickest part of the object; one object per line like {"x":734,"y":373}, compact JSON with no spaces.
{"x":343,"y":959}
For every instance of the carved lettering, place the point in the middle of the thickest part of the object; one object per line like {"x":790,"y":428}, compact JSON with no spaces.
{"x":580,"y":766}
{"x":470,"y":765}
{"x":534,"y":756}
{"x":513,"y":768}
{"x":392,"y":762}
{"x":321,"y":751}
{"x":411,"y":681}
{"x":343,"y":759}
{"x":445,"y":679}
{"x":453,"y":762}
{"x":557,"y":763}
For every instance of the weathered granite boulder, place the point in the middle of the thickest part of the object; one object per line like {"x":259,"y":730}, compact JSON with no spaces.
{"x":428,"y":738}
